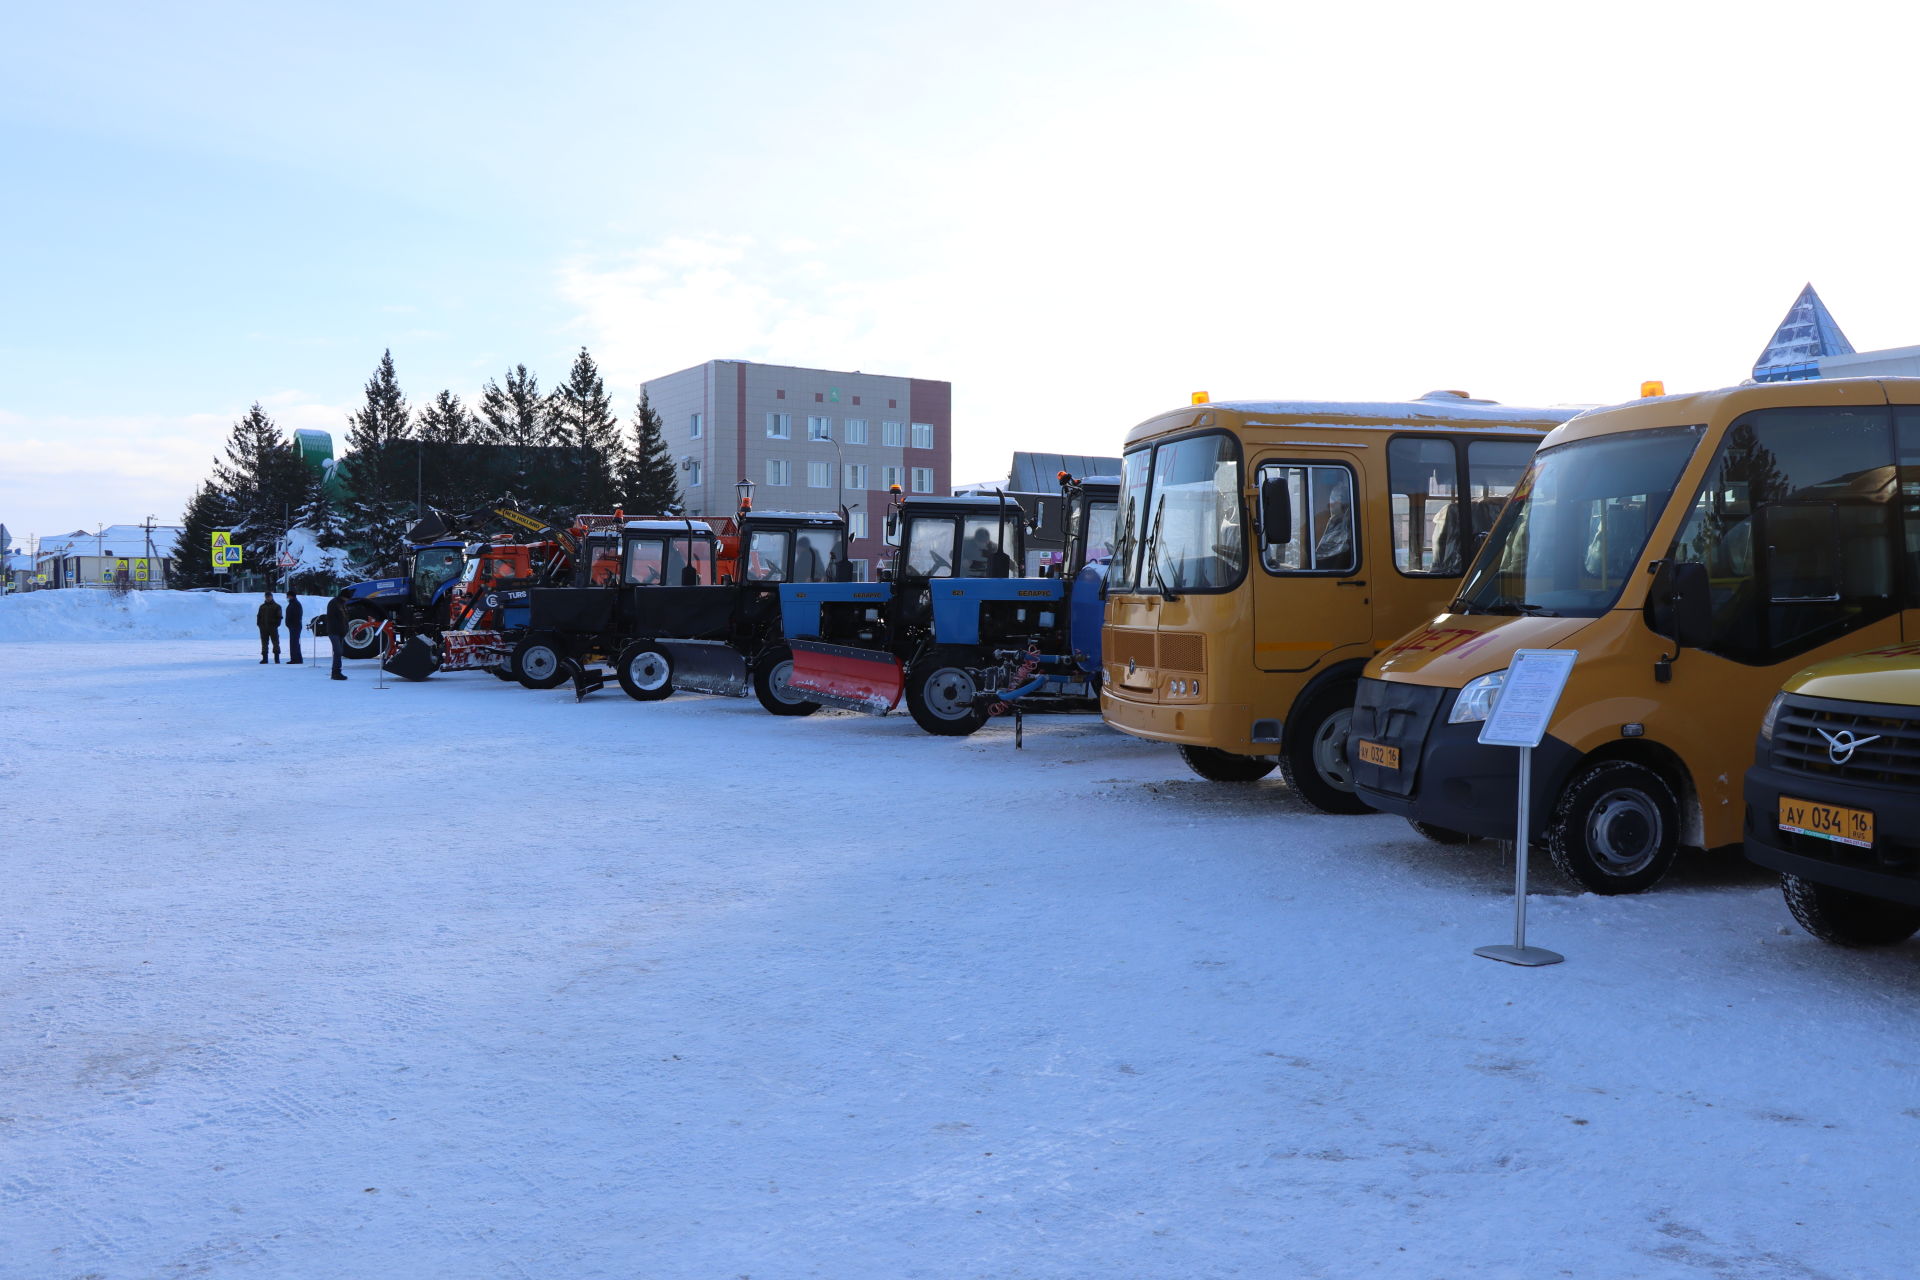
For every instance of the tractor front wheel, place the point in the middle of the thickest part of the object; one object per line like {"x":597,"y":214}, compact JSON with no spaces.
{"x":943,"y":696}
{"x":362,"y":638}
{"x":770,"y":684}
{"x":645,"y":671}
{"x":538,"y":662}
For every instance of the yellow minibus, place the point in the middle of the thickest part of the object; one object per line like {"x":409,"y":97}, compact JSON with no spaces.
{"x":1694,"y":550}
{"x":1266,"y":550}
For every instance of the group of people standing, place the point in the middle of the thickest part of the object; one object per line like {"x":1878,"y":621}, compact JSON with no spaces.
{"x":270,"y":616}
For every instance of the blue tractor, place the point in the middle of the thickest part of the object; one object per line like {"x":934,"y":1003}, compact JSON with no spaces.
{"x":414,"y":602}
{"x":949,"y":629}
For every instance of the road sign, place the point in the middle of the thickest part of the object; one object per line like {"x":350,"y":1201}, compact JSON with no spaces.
{"x":220,"y":538}
{"x":286,"y":561}
{"x":140,"y":570}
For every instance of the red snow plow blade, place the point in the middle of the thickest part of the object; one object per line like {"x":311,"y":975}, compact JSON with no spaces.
{"x":838,"y":675}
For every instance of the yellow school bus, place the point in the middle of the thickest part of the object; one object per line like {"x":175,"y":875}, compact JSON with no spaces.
{"x":1694,"y":550}
{"x":1265,"y":551}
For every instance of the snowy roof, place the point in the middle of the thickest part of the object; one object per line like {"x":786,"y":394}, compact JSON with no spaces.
{"x":114,"y":540}
{"x":1807,"y":334}
{"x":1435,"y":406}
{"x":1040,"y":472}
{"x":832,"y":517}
{"x":694,"y":524}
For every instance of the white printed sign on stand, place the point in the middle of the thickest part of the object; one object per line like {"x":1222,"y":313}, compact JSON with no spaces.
{"x":1520,"y":716}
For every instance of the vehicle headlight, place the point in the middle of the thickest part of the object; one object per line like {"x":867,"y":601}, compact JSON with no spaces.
{"x":1476,"y":700}
{"x":1766,"y":721}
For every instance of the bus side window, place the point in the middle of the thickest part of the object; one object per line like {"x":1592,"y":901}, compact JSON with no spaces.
{"x":1423,"y":484}
{"x":1322,"y":539}
{"x":1494,"y":468}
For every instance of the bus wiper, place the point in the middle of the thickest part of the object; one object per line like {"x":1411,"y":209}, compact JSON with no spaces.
{"x":1153,"y":547}
{"x":1517,"y":608}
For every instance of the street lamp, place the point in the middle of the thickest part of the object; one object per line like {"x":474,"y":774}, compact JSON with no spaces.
{"x":839,"y":471}
{"x":745,"y":490}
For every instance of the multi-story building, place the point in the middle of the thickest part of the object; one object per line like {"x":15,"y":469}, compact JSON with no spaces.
{"x":808,"y":439}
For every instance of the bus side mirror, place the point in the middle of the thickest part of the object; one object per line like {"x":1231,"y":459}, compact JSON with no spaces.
{"x":1682,"y":603}
{"x":1276,"y":512}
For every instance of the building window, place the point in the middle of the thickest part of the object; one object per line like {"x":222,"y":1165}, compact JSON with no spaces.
{"x":859,"y":570}
{"x":856,"y":399}
{"x":923,"y":435}
{"x":819,"y":475}
{"x":779,"y":395}
{"x":779,"y":426}
{"x":693,"y":475}
{"x":856,"y":524}
{"x":923,"y":479}
{"x":695,"y":425}
{"x":779,"y":471}
{"x":893,"y":404}
{"x":856,"y":475}
{"x":893,"y":435}
{"x":891,"y":476}
{"x":818,"y":398}
{"x":819,"y":428}
{"x":853,"y":431}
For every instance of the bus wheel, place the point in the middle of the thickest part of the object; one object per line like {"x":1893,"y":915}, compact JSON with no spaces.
{"x":1616,"y":828}
{"x":538,"y":661}
{"x":1848,"y":919}
{"x":1216,"y":765}
{"x":1440,"y":835}
{"x":645,"y":671}
{"x":770,"y":676}
{"x":1313,"y":759}
{"x":943,"y":697}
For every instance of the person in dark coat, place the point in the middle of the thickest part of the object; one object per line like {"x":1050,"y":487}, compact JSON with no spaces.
{"x":268,"y":619}
{"x":337,"y":629}
{"x":295,"y":616}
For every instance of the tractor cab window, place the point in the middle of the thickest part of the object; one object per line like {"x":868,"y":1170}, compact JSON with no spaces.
{"x":689,"y":562}
{"x":646,"y":561}
{"x":1098,"y":521}
{"x":768,"y":555}
{"x":433,"y":567}
{"x":990,"y":545}
{"x":816,"y":551}
{"x":929,"y":547}
{"x":603,"y":563}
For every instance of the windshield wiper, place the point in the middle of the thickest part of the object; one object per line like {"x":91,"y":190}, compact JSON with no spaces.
{"x":1515,"y":608}
{"x":1153,"y":547}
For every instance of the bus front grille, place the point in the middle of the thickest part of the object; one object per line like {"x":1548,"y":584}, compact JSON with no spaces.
{"x":1857,"y":742}
{"x":1183,"y":651}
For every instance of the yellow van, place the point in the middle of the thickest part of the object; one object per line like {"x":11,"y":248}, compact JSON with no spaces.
{"x":1694,"y":549}
{"x":1833,"y":798}
{"x":1242,"y":642}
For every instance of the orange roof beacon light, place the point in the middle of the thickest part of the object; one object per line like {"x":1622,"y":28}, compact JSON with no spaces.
{"x":1651,"y":389}
{"x":1201,"y":397}
{"x":745,"y":489}
{"x":894,"y":489}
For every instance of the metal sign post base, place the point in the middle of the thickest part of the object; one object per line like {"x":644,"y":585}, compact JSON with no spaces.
{"x":1532,"y":957}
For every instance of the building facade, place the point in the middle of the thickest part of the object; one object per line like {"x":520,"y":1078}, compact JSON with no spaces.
{"x":134,"y":555}
{"x":808,"y":439}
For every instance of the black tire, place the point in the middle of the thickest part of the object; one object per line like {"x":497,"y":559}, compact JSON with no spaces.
{"x":503,"y":673}
{"x":1313,"y":759}
{"x":361,"y":640}
{"x":645,"y":671}
{"x":1216,"y":765}
{"x":1615,"y":828}
{"x":943,"y":695}
{"x":1441,"y":835}
{"x":538,"y":663}
{"x":1845,"y":918}
{"x":770,"y":685}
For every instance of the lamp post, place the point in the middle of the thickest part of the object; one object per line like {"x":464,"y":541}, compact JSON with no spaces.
{"x":839,"y":470}
{"x":745,"y":490}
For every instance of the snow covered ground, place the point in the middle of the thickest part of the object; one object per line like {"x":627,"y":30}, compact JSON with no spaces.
{"x":306,"y":979}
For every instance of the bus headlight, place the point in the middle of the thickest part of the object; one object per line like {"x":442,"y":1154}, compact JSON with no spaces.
{"x":1476,"y":700}
{"x":1766,"y":721}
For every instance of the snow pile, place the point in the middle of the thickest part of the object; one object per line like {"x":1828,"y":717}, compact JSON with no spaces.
{"x":90,"y":616}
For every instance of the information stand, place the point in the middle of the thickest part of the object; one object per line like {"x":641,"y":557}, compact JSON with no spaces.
{"x":1520,"y":715}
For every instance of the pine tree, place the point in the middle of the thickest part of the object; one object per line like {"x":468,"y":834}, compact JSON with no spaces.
{"x":520,"y":418}
{"x":263,"y":480}
{"x":648,"y":484}
{"x":583,"y":419}
{"x":192,"y":563}
{"x":321,"y":517}
{"x":454,"y":479}
{"x":381,"y":468}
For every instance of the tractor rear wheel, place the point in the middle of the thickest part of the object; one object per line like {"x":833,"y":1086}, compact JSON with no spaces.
{"x":943,"y":696}
{"x":645,"y":671}
{"x":362,"y":638}
{"x":770,"y":676}
{"x":539,"y":663}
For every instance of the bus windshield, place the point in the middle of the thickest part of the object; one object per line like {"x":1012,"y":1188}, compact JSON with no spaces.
{"x":1179,"y":526}
{"x":1575,"y":529}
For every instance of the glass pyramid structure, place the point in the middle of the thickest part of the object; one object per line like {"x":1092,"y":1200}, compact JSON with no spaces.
{"x":1807,"y":334}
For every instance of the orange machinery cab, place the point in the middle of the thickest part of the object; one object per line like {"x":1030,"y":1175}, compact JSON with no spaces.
{"x":1694,"y":550}
{"x":1266,"y":550}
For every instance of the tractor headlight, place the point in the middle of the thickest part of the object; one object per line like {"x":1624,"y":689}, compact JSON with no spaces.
{"x":1476,"y":700}
{"x":1766,"y":721}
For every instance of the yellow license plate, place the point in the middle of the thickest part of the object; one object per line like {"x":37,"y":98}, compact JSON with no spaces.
{"x":1827,"y":821}
{"x":1374,"y":753}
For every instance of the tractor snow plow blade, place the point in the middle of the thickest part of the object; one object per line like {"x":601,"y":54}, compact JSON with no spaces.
{"x":587,"y":679}
{"x":838,"y":675}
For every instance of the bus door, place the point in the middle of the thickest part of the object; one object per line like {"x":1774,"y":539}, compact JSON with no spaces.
{"x":1310,"y":596}
{"x":1906,"y":426}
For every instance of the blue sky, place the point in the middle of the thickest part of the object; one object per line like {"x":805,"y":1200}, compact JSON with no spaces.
{"x":1077,"y":213}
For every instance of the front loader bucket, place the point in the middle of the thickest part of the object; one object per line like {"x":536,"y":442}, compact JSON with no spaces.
{"x":417,"y":658}
{"x":838,"y":675}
